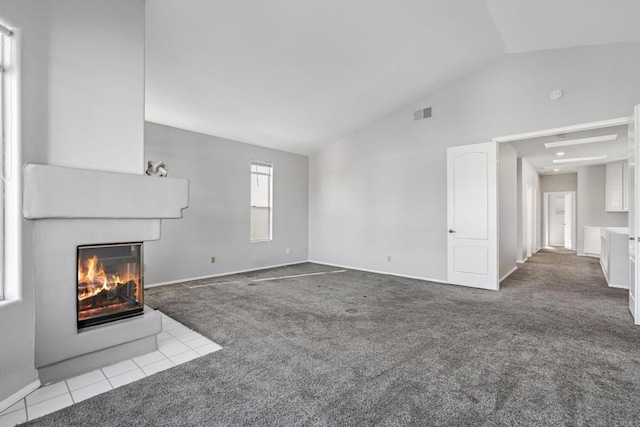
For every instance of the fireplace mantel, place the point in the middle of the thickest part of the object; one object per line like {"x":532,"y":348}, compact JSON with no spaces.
{"x":74,"y":207}
{"x":59,"y":192}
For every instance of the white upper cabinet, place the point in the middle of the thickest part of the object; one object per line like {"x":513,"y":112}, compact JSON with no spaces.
{"x":617,"y":187}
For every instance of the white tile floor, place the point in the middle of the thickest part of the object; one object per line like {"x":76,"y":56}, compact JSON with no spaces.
{"x":176,"y":344}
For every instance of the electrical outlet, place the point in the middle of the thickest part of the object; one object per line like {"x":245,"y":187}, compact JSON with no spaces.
{"x":286,"y":251}
{"x":388,"y":258}
{"x":213,"y":259}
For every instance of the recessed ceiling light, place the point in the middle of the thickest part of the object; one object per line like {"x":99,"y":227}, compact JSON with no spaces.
{"x":556,"y":170}
{"x":560,"y":153}
{"x":580,"y":159}
{"x":580,"y":141}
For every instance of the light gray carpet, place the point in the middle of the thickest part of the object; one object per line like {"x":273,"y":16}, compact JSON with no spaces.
{"x":554,"y":347}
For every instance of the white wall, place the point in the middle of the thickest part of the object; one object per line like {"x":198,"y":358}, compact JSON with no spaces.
{"x":381,"y":190}
{"x":591,"y":203}
{"x":218,"y":218}
{"x":96,"y":54}
{"x":507,"y":209}
{"x":528,"y":178}
{"x":17,"y":334}
{"x":560,"y":182}
{"x":82,"y":99}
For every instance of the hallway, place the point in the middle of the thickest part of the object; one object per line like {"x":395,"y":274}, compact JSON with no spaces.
{"x":563,"y":279}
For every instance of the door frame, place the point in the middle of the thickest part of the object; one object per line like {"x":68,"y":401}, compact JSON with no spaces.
{"x":546,"y":196}
{"x":619,"y":121}
{"x":530,"y":222}
{"x":634,"y":216}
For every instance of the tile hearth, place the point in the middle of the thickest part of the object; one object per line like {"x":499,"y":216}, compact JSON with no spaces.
{"x":177,"y":344}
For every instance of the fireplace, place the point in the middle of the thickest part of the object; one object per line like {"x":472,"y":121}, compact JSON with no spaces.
{"x":109,"y":283}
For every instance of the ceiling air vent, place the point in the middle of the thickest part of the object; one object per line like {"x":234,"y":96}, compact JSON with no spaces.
{"x":425,"y":113}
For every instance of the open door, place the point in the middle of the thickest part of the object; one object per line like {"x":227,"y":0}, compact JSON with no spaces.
{"x":568,"y":221}
{"x":472,"y":203}
{"x":634,"y":143}
{"x":529,"y":223}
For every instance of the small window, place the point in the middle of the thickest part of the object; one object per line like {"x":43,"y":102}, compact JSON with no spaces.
{"x":261,"y":200}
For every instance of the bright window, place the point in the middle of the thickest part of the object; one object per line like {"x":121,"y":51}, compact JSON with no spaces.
{"x":261,"y":200}
{"x":9,"y":168}
{"x":3,"y":157}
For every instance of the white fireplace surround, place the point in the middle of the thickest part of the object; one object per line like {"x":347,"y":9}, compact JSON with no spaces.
{"x":58,"y":192}
{"x":72,"y":207}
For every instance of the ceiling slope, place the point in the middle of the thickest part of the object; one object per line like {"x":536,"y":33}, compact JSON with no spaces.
{"x":295,"y":75}
{"x":527,"y":25}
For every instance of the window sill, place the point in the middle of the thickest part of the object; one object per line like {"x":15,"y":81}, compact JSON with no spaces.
{"x":9,"y":302}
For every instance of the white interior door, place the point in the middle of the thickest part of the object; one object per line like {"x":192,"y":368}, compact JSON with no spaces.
{"x":568,"y":221}
{"x":634,"y":143}
{"x":556,"y":220}
{"x":472,"y":215}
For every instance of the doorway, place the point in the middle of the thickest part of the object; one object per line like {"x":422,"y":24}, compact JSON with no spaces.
{"x":558,"y":151}
{"x":559,"y":219}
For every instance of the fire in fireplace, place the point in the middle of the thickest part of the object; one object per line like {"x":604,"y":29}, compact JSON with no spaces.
{"x":109,"y":283}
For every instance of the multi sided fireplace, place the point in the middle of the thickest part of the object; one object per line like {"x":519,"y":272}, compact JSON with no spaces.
{"x":109,"y":283}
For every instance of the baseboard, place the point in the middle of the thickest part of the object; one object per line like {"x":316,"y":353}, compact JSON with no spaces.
{"x":509,"y":273}
{"x":406,"y":276}
{"x":20,"y":394}
{"x":606,"y":277}
{"x":632,"y":303}
{"x":188,"y":279}
{"x":604,"y":273}
{"x":426,"y":279}
{"x":591,"y":255}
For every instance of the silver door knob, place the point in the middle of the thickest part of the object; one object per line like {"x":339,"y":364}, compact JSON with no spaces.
{"x":451,"y":230}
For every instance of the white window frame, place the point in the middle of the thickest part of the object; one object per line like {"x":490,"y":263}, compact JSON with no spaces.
{"x":270,"y":207}
{"x":10,"y":168}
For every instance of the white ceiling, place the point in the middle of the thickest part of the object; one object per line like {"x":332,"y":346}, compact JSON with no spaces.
{"x":297,"y":76}
{"x":541,"y":158}
{"x":527,"y":25}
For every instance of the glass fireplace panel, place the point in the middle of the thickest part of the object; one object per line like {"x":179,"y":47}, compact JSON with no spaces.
{"x":109,"y":283}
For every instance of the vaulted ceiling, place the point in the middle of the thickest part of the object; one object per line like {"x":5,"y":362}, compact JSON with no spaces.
{"x":298,"y":75}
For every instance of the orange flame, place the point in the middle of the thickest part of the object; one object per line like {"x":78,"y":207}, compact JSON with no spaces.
{"x":91,"y":274}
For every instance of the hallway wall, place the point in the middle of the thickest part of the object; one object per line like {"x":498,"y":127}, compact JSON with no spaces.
{"x":528,"y":178}
{"x":507,"y":205}
{"x":591,"y":203}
